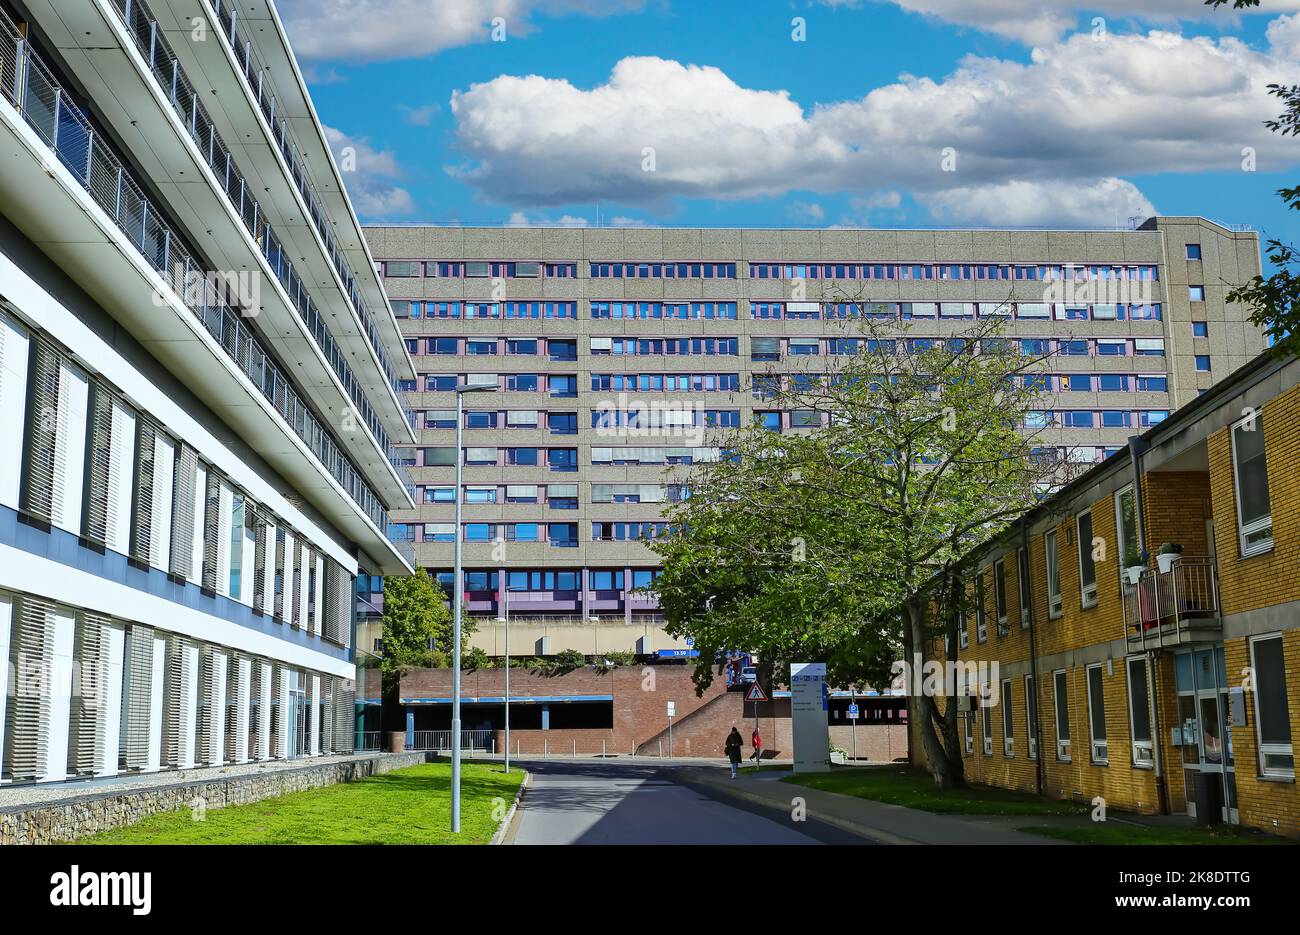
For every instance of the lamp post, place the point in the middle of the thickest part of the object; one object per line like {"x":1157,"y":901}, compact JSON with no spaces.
{"x":505,"y":618}
{"x":458,"y":600}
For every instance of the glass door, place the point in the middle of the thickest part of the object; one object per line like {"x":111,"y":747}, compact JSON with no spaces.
{"x":1202,"y":724}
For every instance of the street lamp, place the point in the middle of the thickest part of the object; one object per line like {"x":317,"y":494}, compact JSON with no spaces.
{"x":505,"y":618}
{"x":458,"y":599}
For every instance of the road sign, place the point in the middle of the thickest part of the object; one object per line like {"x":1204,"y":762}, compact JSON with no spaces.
{"x":672,"y":709}
{"x":755,"y":693}
{"x":690,"y":641}
{"x":853,"y":712}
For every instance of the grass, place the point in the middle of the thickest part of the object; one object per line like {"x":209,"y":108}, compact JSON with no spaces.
{"x":902,"y":786}
{"x":1125,"y":833}
{"x":406,"y":806}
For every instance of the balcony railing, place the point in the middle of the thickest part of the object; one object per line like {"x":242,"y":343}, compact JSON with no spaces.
{"x":1173,"y":607}
{"x":261,"y":89}
{"x":172,"y":81}
{"x":66,"y":128}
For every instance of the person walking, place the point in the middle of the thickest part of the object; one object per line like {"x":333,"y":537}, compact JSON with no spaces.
{"x":732,"y":746}
{"x":756,"y":741}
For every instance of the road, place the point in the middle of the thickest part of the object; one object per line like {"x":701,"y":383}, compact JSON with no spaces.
{"x":580,"y":802}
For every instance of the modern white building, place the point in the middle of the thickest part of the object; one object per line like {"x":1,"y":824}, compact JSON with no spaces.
{"x":199,"y":398}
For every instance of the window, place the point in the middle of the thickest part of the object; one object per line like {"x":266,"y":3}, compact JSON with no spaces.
{"x":1097,"y":714}
{"x":1022,"y":583}
{"x":1031,"y":718}
{"x":1193,"y":251}
{"x":1196,"y":293}
{"x":970,"y":732}
{"x":986,"y":715}
{"x":1250,"y":472}
{"x":1053,"y":562}
{"x":1126,"y":527}
{"x":1139,"y":712}
{"x":1008,"y":721}
{"x":981,"y":629}
{"x":1203,"y":363}
{"x":1087,"y":567}
{"x":1061,"y":697}
{"x":1200,"y":329}
{"x":1272,"y":711}
{"x":1000,"y":594}
{"x":1112,"y":383}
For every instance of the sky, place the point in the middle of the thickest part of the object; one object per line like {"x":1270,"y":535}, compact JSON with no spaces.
{"x":804,"y":113}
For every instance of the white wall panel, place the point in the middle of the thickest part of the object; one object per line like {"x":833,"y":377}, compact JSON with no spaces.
{"x":109,"y":738}
{"x":164,"y":480}
{"x":156,"y":685}
{"x":14,"y":349}
{"x":121,"y":472}
{"x":6,"y":629}
{"x":59,"y":710}
{"x":70,"y":448}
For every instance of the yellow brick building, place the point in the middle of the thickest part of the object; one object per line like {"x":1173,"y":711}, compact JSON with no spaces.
{"x":1122,"y":678}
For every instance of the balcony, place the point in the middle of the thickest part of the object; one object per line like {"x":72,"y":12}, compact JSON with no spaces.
{"x":1173,"y":608}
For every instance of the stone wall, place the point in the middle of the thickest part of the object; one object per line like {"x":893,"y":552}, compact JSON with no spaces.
{"x":70,"y":818}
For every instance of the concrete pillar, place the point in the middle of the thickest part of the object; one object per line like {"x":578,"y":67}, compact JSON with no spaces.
{"x":546,"y":717}
{"x":410,"y":727}
{"x":627,"y":596}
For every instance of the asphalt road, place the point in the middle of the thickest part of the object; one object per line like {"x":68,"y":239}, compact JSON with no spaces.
{"x":581,"y":802}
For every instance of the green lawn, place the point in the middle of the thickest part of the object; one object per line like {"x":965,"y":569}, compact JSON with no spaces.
{"x":1123,"y":833}
{"x":902,"y":786}
{"x":406,"y":806}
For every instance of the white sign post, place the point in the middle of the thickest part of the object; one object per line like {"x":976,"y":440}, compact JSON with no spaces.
{"x":672,"y":713}
{"x":808,"y":717}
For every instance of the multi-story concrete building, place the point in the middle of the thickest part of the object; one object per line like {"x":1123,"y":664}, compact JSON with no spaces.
{"x":198,"y":396}
{"x":612,"y":353}
{"x":1169,"y":685}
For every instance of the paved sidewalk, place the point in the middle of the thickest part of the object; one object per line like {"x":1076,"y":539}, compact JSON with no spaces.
{"x":889,"y":824}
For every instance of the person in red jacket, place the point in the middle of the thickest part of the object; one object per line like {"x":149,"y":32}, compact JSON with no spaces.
{"x":756,"y":741}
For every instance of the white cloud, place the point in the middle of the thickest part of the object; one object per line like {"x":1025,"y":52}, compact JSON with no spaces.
{"x":1080,"y":114}
{"x":421,"y":116}
{"x":1041,"y":22}
{"x":374,"y":30}
{"x":370,"y":177}
{"x":520,"y":219}
{"x":1025,"y":204}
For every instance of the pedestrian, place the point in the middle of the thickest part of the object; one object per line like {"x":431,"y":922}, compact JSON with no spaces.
{"x":732,"y":746}
{"x":756,"y":741}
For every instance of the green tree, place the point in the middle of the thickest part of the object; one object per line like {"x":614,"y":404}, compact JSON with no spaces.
{"x":1274,"y":300}
{"x":416,"y":618}
{"x":846,"y":543}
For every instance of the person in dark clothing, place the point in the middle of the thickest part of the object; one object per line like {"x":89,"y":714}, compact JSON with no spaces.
{"x":732,"y":746}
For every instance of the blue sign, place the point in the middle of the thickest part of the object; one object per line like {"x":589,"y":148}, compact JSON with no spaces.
{"x":853,"y":711}
{"x":690,"y":641}
{"x":677,"y":653}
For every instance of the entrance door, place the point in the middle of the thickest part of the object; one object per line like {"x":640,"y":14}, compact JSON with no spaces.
{"x":1202,"y":720}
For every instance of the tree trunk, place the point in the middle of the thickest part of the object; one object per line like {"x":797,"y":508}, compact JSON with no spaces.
{"x":939,"y":760}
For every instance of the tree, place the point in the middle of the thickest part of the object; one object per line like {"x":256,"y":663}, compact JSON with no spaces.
{"x":1274,"y":300}
{"x":847,"y":543}
{"x":416,"y":617}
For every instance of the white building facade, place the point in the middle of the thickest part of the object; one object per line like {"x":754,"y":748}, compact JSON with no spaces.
{"x":198,"y":396}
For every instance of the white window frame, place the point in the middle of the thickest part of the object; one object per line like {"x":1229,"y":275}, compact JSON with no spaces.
{"x":981,"y":616}
{"x":1031,"y":727}
{"x":1024,"y":591}
{"x":963,"y":632}
{"x":1143,"y":751}
{"x":1098,"y":750}
{"x":970,"y":730}
{"x":1245,"y":531}
{"x":987,"y":720}
{"x":1119,"y":527}
{"x":1087,"y":595}
{"x":1062,"y":745}
{"x":1000,"y":595}
{"x":1008,"y":720}
{"x":1267,"y":750}
{"x":1052,"y":560}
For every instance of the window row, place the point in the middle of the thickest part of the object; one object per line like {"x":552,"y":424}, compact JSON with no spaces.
{"x":570,"y":580}
{"x":689,"y":270}
{"x":477,"y":269}
{"x":666,"y":382}
{"x":906,"y":311}
{"x":649,"y":417}
{"x":554,"y":496}
{"x":557,"y":386}
{"x":81,"y":458}
{"x":556,"y":349}
{"x":770,"y":349}
{"x":412,"y":309}
{"x":1049,"y":272}
{"x":664,"y":310}
{"x":679,"y":347}
{"x":1098,"y":418}
{"x":121,"y":697}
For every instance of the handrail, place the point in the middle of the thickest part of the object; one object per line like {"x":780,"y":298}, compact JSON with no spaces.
{"x":1159,"y":599}
{"x":31,"y":87}
{"x":171,"y":79}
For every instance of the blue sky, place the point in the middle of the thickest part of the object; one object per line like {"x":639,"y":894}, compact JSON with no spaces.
{"x":902,"y":113}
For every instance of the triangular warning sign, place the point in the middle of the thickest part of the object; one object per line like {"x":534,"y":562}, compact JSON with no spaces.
{"x":755,"y":693}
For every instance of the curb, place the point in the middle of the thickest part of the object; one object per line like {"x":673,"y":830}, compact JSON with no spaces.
{"x":864,"y":831}
{"x":499,"y":837}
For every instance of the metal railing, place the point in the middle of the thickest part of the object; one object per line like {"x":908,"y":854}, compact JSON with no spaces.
{"x":369,"y":741}
{"x":64,"y":126}
{"x":1166,"y":607}
{"x":475,"y":740}
{"x":175,"y":85}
